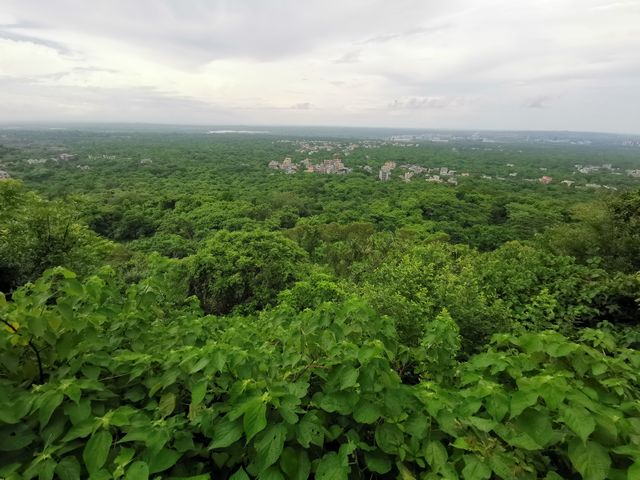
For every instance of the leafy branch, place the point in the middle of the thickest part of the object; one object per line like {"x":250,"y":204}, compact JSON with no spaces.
{"x":33,"y":347}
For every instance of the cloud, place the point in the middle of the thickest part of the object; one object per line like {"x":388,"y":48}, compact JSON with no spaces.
{"x":349,"y":57}
{"x":411,"y":32}
{"x":368,"y":62}
{"x":539,"y":102}
{"x":420,"y":103}
{"x":302,"y":106}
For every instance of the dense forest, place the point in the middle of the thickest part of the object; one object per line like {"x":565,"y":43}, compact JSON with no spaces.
{"x":174,"y":308}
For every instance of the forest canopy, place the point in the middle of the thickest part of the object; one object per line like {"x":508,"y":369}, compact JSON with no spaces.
{"x":174,"y":307}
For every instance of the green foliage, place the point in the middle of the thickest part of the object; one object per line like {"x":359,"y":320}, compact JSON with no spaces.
{"x":367,"y":329}
{"x":134,"y":386}
{"x":36,"y":235}
{"x":245,"y":269}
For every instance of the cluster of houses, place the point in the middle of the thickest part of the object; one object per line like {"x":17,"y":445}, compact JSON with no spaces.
{"x":433,"y":175}
{"x":385,"y":171}
{"x":63,"y":157}
{"x":331,"y":166}
{"x":587,"y":169}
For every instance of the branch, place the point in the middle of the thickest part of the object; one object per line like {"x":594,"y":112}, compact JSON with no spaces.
{"x":33,"y":347}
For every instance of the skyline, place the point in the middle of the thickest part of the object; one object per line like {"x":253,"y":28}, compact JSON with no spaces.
{"x":491,"y":65}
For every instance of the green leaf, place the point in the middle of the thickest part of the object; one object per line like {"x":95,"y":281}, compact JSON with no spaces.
{"x":13,"y":412}
{"x":68,"y":469}
{"x":579,"y":420}
{"x":348,"y":377}
{"x":503,"y":465}
{"x":137,"y":471}
{"x":45,"y":469}
{"x":48,"y":405}
{"x":436,"y":455}
{"x":269,"y":446}
{"x":366,"y":412}
{"x":198,"y":392}
{"x":377,"y":462}
{"x":482,"y":424}
{"x":255,"y":417}
{"x":81,"y":430}
{"x":271,"y":473}
{"x":310,"y":431}
{"x":239,"y":475}
{"x":225,"y":433}
{"x":341,"y":402}
{"x":295,"y":463}
{"x":538,"y":426}
{"x":96,"y":450}
{"x":163,"y":460}
{"x":404,"y":472}
{"x":521,"y":400}
{"x":634,"y":471}
{"x":475,"y":469}
{"x":167,"y":404}
{"x":389,"y":438}
{"x":590,"y":459}
{"x":331,"y":468}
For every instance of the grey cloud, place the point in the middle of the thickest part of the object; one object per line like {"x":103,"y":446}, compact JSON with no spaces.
{"x":411,"y":32}
{"x":25,"y":102}
{"x":11,"y":34}
{"x":302,"y":106}
{"x":539,"y":102}
{"x":420,"y":103}
{"x":198,"y":31}
{"x":349,"y":57}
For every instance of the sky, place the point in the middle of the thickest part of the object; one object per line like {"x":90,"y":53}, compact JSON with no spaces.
{"x":463,"y":64}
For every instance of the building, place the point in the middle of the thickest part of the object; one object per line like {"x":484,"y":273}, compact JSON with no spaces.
{"x":4,"y":175}
{"x":65,"y":156}
{"x":384,"y":174}
{"x":545,"y":179}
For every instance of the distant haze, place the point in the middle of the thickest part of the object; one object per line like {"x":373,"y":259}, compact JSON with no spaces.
{"x":465,"y":64}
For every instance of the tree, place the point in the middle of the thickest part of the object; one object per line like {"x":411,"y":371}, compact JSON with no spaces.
{"x":245,"y":269}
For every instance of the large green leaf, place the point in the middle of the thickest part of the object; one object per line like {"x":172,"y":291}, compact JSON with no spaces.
{"x":377,"y":462}
{"x":167,"y":404}
{"x":68,"y":469}
{"x":269,"y":446}
{"x":331,"y":467}
{"x":590,"y":459}
{"x":295,"y":463}
{"x":475,"y":469}
{"x":579,"y":420}
{"x":163,"y":460}
{"x":240,"y":474}
{"x":436,"y":455}
{"x":366,"y":412}
{"x":96,"y":450}
{"x":255,"y":417}
{"x":310,"y":431}
{"x":48,"y":405}
{"x":389,"y":437}
{"x":137,"y":471}
{"x":226,"y":432}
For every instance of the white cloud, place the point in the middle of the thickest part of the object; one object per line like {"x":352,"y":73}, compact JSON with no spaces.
{"x":459,"y":63}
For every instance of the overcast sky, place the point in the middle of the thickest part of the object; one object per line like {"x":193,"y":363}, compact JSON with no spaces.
{"x":504,"y":64}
